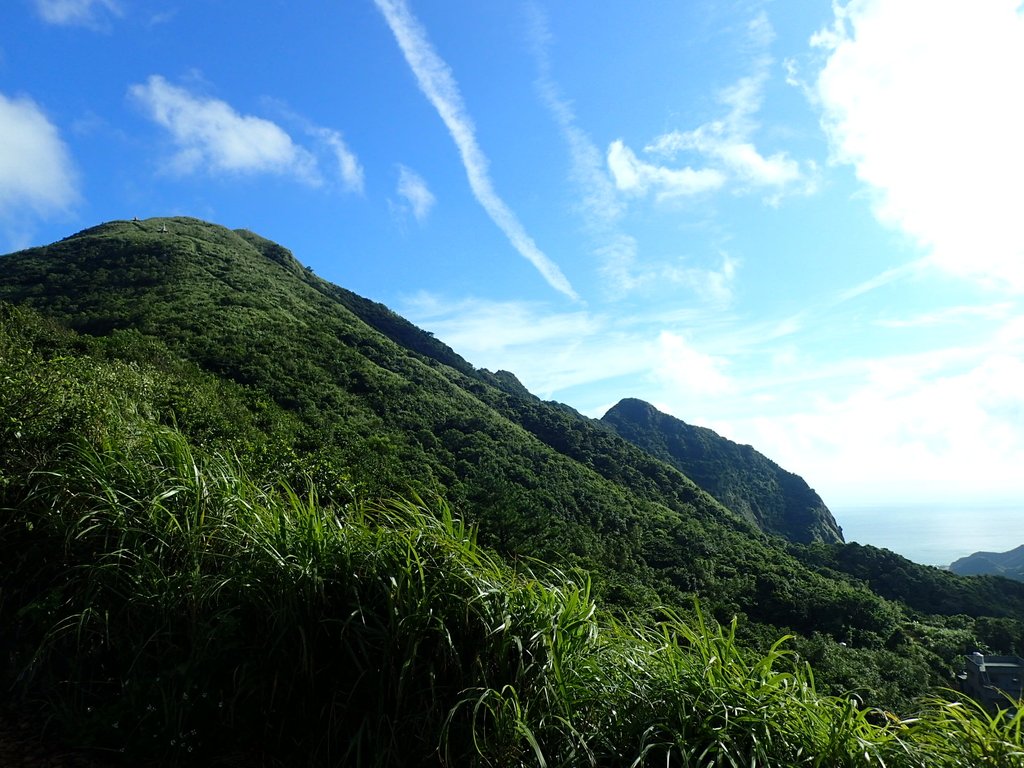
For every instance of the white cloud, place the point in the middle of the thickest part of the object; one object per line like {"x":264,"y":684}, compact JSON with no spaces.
{"x":415,"y":191}
{"x":211,"y":135}
{"x":687,"y":370}
{"x":88,"y":13}
{"x":438,"y":84}
{"x":750,"y":166}
{"x":36,"y":171}
{"x":922,"y":98}
{"x":908,"y":433}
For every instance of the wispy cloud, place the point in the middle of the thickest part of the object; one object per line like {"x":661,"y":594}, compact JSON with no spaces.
{"x":625,"y":274}
{"x":951,"y":315}
{"x":553,"y":351}
{"x":763,"y":383}
{"x":438,"y":84}
{"x":548,"y":350}
{"x":619,"y":253}
{"x":86,"y":13}
{"x":600,"y":205}
{"x":882,"y":279}
{"x":350,"y":171}
{"x":327,"y":142}
{"x":481,"y":326}
{"x":212,"y":136}
{"x":37,"y":175}
{"x":714,"y":286}
{"x":637,"y":177}
{"x":414,"y":190}
{"x":688,"y":371}
{"x":877,"y":428}
{"x":922,"y":100}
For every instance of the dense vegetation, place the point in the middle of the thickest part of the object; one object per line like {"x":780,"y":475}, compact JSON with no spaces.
{"x":166,"y":601}
{"x":199,"y":497}
{"x":742,"y":479}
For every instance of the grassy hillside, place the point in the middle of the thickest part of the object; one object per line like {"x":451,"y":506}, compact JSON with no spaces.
{"x":225,"y":338}
{"x":169,"y":597}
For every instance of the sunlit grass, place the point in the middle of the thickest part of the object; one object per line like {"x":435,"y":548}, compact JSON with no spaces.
{"x":172,"y":606}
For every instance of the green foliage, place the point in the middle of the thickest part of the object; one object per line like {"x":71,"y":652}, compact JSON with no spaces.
{"x":988,"y":610}
{"x":179,"y":609}
{"x":923,"y":588}
{"x":278,"y":377}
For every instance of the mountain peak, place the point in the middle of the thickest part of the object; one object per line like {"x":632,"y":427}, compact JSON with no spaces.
{"x":745,"y":481}
{"x":172,"y":229}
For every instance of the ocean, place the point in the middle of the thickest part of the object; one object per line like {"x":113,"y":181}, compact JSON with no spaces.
{"x":934,"y":534}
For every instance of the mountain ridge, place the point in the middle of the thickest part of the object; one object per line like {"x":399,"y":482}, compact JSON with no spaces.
{"x":1009,"y":564}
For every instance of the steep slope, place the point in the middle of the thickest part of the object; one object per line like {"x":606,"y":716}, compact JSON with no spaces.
{"x":744,"y":480}
{"x":1009,"y":564}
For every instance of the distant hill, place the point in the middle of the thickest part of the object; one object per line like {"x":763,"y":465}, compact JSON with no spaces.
{"x":744,"y":480}
{"x":1009,"y":564}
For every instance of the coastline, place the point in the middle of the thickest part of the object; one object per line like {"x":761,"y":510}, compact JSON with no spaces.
{"x":934,"y":534}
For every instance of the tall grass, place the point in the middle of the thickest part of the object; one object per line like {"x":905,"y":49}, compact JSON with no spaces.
{"x":158,"y":600}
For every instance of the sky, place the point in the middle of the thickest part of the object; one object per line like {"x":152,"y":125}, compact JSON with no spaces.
{"x":797,"y":223}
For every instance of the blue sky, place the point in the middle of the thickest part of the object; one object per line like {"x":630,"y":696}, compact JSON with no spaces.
{"x":798,"y":224}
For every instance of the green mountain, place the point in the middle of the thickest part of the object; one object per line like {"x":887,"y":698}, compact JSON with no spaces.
{"x":380,"y":403}
{"x":201,"y":445}
{"x":1009,"y":564}
{"x":742,"y":479}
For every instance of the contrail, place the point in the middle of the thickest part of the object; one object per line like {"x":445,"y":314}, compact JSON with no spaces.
{"x":438,"y":84}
